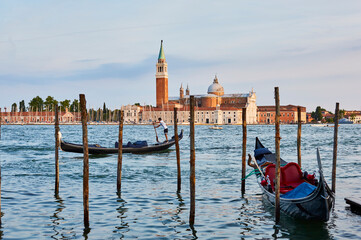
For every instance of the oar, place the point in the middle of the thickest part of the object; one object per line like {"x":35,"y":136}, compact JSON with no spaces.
{"x":156,"y":135}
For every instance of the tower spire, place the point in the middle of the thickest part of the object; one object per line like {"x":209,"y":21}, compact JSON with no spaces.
{"x":161,"y":52}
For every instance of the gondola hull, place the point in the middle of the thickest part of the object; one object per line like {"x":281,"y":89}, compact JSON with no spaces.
{"x":158,"y":147}
{"x":316,"y":206}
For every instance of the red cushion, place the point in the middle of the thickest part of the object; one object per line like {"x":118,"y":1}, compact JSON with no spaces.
{"x":291,"y":175}
{"x":270,"y":173}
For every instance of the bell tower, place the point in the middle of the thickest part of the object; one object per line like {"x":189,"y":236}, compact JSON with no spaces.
{"x":187,"y":91}
{"x":161,"y":78}
{"x":181,"y":92}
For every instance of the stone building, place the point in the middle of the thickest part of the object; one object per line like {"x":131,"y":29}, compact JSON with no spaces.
{"x":39,"y":117}
{"x":132,"y":114}
{"x":354,"y":116}
{"x":267,"y":114}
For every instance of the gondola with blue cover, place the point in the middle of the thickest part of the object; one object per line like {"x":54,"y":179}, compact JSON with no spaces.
{"x":137,"y":147}
{"x":302,"y":196}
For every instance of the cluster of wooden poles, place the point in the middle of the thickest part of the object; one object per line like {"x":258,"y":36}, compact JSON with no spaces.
{"x":119,"y":163}
{"x":277,"y":150}
{"x":192,"y":155}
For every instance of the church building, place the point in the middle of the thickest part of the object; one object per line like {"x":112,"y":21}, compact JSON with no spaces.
{"x":214,"y":107}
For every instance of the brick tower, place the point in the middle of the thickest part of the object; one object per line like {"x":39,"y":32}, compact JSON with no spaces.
{"x":162,"y":78}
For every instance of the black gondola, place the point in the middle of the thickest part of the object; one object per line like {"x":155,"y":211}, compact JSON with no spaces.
{"x":315,"y":204}
{"x":137,"y":147}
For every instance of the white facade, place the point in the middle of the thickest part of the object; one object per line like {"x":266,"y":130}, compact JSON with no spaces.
{"x":202,"y":116}
{"x":132,"y":114}
{"x":251,"y":108}
{"x":355,"y":119}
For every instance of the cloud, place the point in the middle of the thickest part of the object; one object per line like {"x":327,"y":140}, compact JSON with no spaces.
{"x":125,"y":72}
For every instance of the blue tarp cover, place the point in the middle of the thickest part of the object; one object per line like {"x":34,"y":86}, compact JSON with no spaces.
{"x":261,"y":151}
{"x":137,"y":144}
{"x":301,"y":191}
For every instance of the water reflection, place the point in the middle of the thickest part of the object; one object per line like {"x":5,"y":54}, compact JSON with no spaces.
{"x":303,"y":229}
{"x":86,"y":232}
{"x":290,"y":227}
{"x":179,"y":209}
{"x":123,"y":226}
{"x":56,"y":219}
{"x":177,"y":218}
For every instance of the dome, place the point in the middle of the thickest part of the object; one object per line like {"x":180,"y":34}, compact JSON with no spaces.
{"x":209,"y":96}
{"x":216,"y":88}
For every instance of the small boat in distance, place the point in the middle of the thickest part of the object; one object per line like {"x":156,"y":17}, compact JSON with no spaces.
{"x":216,"y":127}
{"x":345,"y":121}
{"x":137,"y":147}
{"x":302,"y":195}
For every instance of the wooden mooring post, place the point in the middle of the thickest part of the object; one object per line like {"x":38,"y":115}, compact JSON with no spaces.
{"x":179,"y":177}
{"x":244,"y":144}
{"x":56,"y":151}
{"x":192,"y":177}
{"x":120,"y":153}
{"x":86,"y":161}
{"x":299,"y":121}
{"x":335,"y":137}
{"x":278,"y":161}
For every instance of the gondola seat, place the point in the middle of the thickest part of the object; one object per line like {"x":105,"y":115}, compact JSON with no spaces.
{"x":291,"y":176}
{"x":270,"y":174}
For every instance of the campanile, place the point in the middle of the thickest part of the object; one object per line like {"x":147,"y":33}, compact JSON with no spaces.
{"x":162,"y":78}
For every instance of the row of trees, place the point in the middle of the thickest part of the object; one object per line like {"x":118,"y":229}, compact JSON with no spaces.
{"x":38,"y":104}
{"x":100,"y":115}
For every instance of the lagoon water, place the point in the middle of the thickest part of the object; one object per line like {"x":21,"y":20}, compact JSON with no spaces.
{"x":149,"y":207}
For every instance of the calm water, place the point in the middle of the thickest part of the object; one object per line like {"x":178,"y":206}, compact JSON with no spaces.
{"x":150,"y":207}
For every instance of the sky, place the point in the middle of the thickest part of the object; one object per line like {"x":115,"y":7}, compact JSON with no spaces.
{"x":108,"y":50}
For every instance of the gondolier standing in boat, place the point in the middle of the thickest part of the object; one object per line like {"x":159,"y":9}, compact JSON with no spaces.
{"x":162,"y":123}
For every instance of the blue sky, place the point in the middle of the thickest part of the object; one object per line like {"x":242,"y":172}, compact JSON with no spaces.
{"x":108,"y":50}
